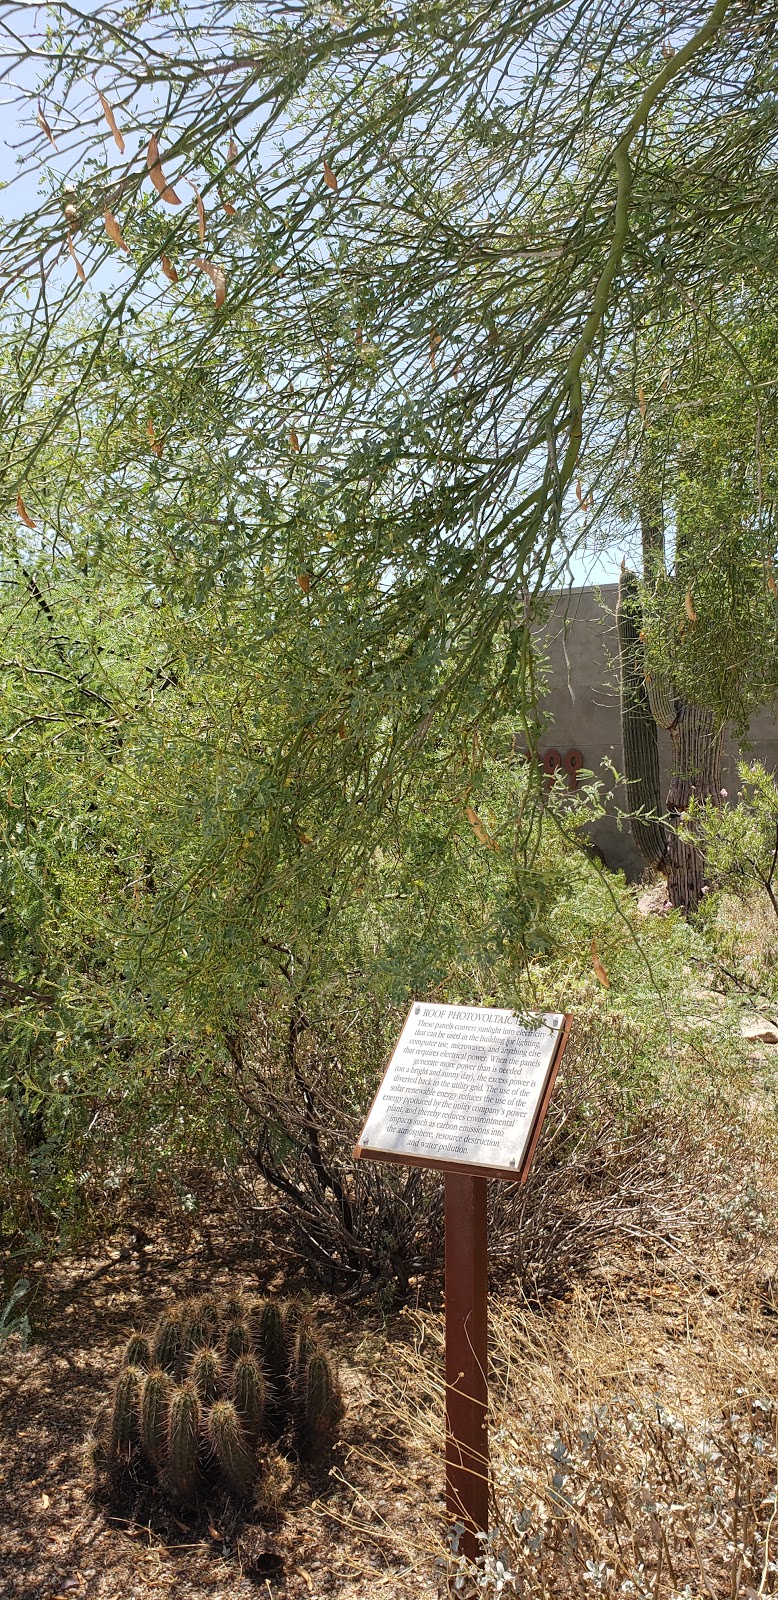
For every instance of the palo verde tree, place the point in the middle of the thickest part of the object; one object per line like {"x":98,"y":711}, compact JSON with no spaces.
{"x":439,"y":225}
{"x":350,"y":286}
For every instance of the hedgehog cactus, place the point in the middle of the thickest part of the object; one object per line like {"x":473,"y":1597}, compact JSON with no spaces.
{"x":249,"y":1392}
{"x":207,"y":1374}
{"x":183,"y":1436}
{"x":270,"y":1339}
{"x":295,"y":1317}
{"x":199,"y":1399}
{"x":137,"y":1351}
{"x":319,"y":1407}
{"x":236,"y":1308}
{"x":197,"y":1330}
{"x":237,"y":1340}
{"x":168,"y":1338}
{"x":126,"y":1408}
{"x":210,"y":1310}
{"x":304,"y":1347}
{"x":231,"y":1447}
{"x":155,"y":1405}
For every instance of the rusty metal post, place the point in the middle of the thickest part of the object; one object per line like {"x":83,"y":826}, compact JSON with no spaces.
{"x":467,"y":1442}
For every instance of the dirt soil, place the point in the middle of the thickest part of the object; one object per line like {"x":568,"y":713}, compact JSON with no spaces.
{"x":375,"y":1524}
{"x":56,"y":1542}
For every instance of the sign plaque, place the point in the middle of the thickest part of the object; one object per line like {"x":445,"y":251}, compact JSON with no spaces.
{"x":466,"y":1087}
{"x":466,"y":1092}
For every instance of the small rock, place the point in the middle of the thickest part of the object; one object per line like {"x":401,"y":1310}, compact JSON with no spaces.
{"x":653,"y":902}
{"x":759,"y":1030}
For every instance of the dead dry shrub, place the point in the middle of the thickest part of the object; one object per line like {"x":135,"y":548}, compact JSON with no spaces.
{"x":613,"y":1158}
{"x":362,"y":1228}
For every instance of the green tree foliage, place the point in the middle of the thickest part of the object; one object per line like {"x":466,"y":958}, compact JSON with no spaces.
{"x":438,"y":230}
{"x":698,"y":641}
{"x":711,"y":612}
{"x":292,"y":471}
{"x":741,"y":840}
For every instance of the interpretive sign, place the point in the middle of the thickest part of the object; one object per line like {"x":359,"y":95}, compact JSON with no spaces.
{"x":466,"y":1086}
{"x":466,"y":1092}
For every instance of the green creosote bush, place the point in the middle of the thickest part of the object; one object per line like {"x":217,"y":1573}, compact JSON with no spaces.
{"x":204,"y":1418}
{"x":741,"y":840}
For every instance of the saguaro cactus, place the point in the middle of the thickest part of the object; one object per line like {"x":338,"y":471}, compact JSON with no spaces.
{"x":639,"y":730}
{"x":647,"y":704}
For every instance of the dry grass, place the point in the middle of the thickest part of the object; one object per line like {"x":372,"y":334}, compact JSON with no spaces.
{"x":633,"y":1422}
{"x":745,"y":938}
{"x":634,"y":1426}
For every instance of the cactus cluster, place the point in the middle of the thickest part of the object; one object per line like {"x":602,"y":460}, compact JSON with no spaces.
{"x":197,"y":1400}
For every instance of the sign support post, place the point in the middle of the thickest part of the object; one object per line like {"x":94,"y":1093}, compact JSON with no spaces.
{"x":467,"y":1444}
{"x":466,"y":1094}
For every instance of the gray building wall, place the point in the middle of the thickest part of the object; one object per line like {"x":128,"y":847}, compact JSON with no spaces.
{"x":583,"y":708}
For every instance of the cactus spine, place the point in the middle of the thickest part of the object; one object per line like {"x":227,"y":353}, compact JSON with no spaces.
{"x":230,"y":1446}
{"x":639,"y":730}
{"x":155,"y":1404}
{"x":182,"y":1439}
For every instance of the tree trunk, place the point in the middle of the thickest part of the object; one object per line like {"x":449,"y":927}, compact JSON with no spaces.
{"x":696,"y":773}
